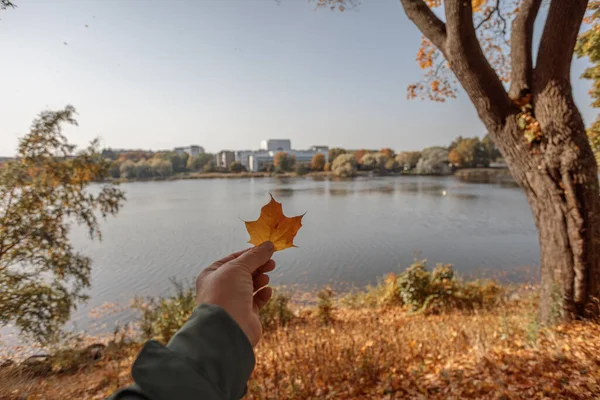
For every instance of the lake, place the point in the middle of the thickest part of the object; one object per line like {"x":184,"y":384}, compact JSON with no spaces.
{"x":353,"y":232}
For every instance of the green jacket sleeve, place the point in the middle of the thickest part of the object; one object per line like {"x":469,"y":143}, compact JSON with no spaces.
{"x":209,"y":358}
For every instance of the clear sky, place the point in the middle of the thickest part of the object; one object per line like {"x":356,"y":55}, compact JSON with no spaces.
{"x":224,"y":74}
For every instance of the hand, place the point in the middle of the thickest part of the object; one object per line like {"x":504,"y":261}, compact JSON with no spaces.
{"x":232,"y":283}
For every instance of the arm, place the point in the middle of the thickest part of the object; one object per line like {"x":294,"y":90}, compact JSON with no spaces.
{"x":211,"y":356}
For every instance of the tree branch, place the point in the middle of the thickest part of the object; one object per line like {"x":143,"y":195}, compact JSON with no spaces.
{"x":487,"y":17}
{"x":472,"y":68}
{"x":521,"y":47}
{"x":427,"y":22}
{"x":558,"y":42}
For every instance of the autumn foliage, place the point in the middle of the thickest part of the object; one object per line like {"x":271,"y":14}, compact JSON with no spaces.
{"x":274,"y":226}
{"x":318,"y":162}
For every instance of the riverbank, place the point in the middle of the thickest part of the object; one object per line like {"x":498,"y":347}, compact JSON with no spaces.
{"x":485,"y":175}
{"x":472,"y":175}
{"x":368,"y":345}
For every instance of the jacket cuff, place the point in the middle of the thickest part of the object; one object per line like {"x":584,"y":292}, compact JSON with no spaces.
{"x":209,"y":354}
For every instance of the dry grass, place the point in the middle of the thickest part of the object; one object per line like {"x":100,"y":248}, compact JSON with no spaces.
{"x":385,"y":353}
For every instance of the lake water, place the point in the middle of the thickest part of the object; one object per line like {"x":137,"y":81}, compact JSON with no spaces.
{"x":354,"y":231}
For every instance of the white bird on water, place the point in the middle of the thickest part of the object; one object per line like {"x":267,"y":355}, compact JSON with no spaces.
{"x":443,"y":192}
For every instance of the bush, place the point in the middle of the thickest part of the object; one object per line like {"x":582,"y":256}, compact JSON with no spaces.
{"x":302,"y":169}
{"x":210,"y":166}
{"x":433,"y":292}
{"x":276,"y":312}
{"x":325,"y":305}
{"x":344,"y":165}
{"x":318,"y":162}
{"x":440,"y":291}
{"x":161,"y":317}
{"x":236,"y":167}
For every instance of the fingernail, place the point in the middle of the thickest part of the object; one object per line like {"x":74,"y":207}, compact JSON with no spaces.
{"x":268,"y":245}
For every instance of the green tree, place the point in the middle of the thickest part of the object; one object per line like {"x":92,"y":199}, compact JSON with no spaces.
{"x":197,"y":163}
{"x":114,"y":170}
{"x":127,"y":169}
{"x":344,"y":165}
{"x":302,"y":169}
{"x":318,"y":162}
{"x":469,"y":153}
{"x":236,"y":167}
{"x":374,"y":161}
{"x":161,"y":167}
{"x":467,"y":43}
{"x":143,"y":170}
{"x":492,"y":152}
{"x":284,"y":161}
{"x":42,"y":193}
{"x":210,"y":166}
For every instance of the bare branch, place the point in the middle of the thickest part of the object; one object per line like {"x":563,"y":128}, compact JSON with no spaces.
{"x":558,"y":42}
{"x":472,"y":68}
{"x":427,"y":22}
{"x":521,"y":47}
{"x":487,"y":17}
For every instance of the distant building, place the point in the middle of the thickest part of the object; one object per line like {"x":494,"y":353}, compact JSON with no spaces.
{"x":261,"y":159}
{"x":224,"y":158}
{"x":276,"y":145}
{"x":242,"y":157}
{"x":192,"y":150}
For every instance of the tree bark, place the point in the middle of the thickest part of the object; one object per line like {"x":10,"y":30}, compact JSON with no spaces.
{"x":559,"y":173}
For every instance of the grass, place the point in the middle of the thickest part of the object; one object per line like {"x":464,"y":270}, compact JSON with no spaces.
{"x":374,"y":347}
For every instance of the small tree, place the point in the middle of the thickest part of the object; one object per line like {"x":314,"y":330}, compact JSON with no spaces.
{"x":284,"y":161}
{"x":236,"y":167}
{"x":127,"y":169}
{"x":318,"y":162}
{"x":43,"y":192}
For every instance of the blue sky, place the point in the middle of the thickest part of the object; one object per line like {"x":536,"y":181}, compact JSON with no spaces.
{"x":224,"y":74}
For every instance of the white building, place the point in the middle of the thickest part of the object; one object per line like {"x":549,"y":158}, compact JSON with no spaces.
{"x":242,"y":157}
{"x":276,"y":145}
{"x":192,"y":150}
{"x":259,"y":160}
{"x":224,"y":158}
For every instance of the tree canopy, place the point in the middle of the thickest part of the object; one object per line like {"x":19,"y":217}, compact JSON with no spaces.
{"x":42,"y":194}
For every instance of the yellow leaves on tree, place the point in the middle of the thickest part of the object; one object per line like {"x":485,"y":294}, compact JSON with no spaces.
{"x":272,"y":225}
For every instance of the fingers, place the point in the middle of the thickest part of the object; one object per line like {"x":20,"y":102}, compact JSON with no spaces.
{"x":268,"y":267}
{"x":255,"y":258}
{"x":263,"y":296}
{"x":230,"y":257}
{"x":260,"y":281}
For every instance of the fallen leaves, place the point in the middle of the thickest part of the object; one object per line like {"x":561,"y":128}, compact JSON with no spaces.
{"x":272,"y":225}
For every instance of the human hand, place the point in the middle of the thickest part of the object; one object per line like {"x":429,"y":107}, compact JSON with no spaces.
{"x":231,"y":283}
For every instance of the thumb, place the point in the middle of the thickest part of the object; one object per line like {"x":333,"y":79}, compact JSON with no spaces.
{"x":255,"y":258}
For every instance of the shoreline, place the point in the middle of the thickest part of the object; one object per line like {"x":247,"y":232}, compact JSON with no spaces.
{"x":469,"y":175}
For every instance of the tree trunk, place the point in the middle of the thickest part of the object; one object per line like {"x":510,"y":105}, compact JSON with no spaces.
{"x":560,"y":178}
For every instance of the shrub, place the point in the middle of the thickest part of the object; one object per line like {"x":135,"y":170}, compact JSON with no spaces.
{"x":302,"y":169}
{"x":276,"y":312}
{"x":344,"y":165}
{"x":210,"y":166}
{"x":161,"y":317}
{"x":318,"y":162}
{"x":325,"y":305}
{"x":236,"y":167}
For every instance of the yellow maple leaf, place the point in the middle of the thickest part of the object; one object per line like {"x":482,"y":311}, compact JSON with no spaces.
{"x":273,"y":226}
